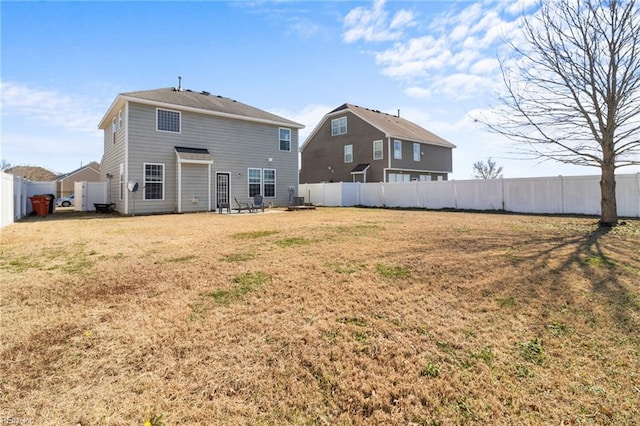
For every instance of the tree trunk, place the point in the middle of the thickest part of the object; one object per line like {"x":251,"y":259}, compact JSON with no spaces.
{"x":608,"y":204}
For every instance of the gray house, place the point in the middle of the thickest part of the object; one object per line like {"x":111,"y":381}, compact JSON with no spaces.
{"x":356,"y":144}
{"x":191,"y":151}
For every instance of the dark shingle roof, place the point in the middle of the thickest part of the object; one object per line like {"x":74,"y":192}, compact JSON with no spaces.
{"x":394,"y":126}
{"x":208,"y":102}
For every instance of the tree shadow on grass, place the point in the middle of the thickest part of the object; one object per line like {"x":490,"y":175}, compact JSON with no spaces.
{"x":604,"y":263}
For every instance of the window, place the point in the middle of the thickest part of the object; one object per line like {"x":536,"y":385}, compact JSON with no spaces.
{"x":397,"y":150}
{"x":425,"y":178}
{"x":416,"y":152}
{"x":114,"y":127}
{"x":285,"y":139}
{"x":153,"y":182}
{"x":348,"y":153}
{"x":120,"y":119}
{"x":269,"y":178}
{"x":168,"y":121}
{"x":262,"y":181}
{"x":339,"y":126}
{"x":255,"y":182}
{"x":377,"y":150}
{"x":399,"y":177}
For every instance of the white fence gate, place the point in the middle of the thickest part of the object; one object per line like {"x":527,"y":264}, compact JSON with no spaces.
{"x":88,"y":193}
{"x":546,"y":195}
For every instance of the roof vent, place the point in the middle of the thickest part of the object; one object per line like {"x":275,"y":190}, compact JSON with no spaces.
{"x":179,"y":83}
{"x":204,"y":92}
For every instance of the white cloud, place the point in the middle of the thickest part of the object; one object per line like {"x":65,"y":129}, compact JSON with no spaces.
{"x":458,"y":51}
{"x":485,"y":66}
{"x":68,"y":111}
{"x":303,"y":27}
{"x":373,"y":25}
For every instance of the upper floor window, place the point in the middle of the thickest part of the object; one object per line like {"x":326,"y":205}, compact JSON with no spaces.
{"x":114,"y":127}
{"x":397,"y":150}
{"x":285,"y":139}
{"x":377,"y":150}
{"x":416,"y":152}
{"x":339,"y":126}
{"x":348,"y":153}
{"x":120,"y":119}
{"x":168,"y":121}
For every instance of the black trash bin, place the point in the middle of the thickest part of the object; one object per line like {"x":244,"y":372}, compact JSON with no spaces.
{"x":52,"y":204}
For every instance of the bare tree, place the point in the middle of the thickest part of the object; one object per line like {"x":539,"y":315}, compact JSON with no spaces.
{"x":490,"y":170}
{"x":573,"y":89}
{"x":5,"y":165}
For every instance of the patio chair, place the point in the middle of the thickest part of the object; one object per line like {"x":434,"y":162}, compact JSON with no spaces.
{"x":243,"y":206}
{"x":258,"y":202}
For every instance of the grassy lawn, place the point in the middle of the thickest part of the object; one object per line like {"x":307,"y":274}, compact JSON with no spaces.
{"x":332,"y":316}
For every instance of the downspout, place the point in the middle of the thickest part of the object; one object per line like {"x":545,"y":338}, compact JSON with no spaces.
{"x":209,"y":187}
{"x":179,"y":186}
{"x":126,"y":159}
{"x":385,"y":178}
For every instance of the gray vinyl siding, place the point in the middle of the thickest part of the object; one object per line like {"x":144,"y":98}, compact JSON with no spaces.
{"x":195,"y":196}
{"x":235,"y":146}
{"x":114,"y":155}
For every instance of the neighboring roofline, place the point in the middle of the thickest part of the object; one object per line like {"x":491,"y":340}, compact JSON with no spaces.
{"x":386,"y":135}
{"x":134,"y":99}
{"x":404,"y":138}
{"x":88,"y":166}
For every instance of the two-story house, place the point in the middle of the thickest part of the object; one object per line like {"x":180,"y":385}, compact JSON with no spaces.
{"x":356,"y":144}
{"x":193,"y":151}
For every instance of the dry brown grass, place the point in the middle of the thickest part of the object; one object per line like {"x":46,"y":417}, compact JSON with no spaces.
{"x":332,"y":316}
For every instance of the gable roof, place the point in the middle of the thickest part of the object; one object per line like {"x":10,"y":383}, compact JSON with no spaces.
{"x":92,"y":165}
{"x":392,"y":126}
{"x":200,"y":102}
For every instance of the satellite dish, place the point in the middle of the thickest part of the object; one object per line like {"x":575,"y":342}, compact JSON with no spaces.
{"x":132,"y":186}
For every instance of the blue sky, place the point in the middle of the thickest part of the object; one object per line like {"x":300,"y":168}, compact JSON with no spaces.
{"x":63,"y":64}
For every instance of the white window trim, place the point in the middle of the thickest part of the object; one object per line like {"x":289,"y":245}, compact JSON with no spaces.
{"x":351,"y":152}
{"x":416,"y":146}
{"x":120,"y":119}
{"x":338,"y":132}
{"x":395,"y":153}
{"x":280,"y":140}
{"x":144,"y":180}
{"x":179,"y":121}
{"x":381,"y":150}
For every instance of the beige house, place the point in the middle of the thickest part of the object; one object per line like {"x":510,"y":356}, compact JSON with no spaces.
{"x":66,"y":181}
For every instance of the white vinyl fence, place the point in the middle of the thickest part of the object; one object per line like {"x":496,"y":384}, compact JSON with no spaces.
{"x":15,"y":192}
{"x":546,"y":195}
